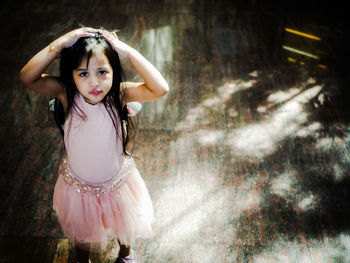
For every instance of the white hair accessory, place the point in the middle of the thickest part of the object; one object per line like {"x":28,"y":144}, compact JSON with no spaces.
{"x":133,"y":108}
{"x":52,"y":105}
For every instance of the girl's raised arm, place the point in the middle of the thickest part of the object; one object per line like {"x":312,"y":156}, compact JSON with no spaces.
{"x":32,"y":74}
{"x":155,"y":85}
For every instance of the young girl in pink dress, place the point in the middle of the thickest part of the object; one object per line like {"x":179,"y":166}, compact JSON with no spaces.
{"x":99,"y":193}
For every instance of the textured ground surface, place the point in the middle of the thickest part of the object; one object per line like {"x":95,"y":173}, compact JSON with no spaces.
{"x":246,"y":159}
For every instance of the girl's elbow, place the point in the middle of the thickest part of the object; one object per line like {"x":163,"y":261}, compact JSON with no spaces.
{"x":165,"y":89}
{"x":22,"y":77}
{"x":27,"y":80}
{"x":159,"y":91}
{"x":24,"y":80}
{"x":162,"y":93}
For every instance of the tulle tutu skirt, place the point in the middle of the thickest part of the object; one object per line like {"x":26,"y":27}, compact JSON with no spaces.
{"x":93,"y":214}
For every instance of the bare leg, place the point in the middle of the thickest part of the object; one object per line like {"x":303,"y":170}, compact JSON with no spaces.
{"x":124,"y":250}
{"x":82,"y":255}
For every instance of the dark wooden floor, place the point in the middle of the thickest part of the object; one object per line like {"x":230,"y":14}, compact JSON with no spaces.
{"x":247,"y":157}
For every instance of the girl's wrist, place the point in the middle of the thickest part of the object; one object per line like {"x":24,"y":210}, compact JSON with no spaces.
{"x":123,"y":52}
{"x":123,"y":49}
{"x":130,"y":52}
{"x":55,"y":47}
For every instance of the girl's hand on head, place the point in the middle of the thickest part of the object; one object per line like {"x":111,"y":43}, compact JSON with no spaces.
{"x":69,"y":39}
{"x":112,"y":38}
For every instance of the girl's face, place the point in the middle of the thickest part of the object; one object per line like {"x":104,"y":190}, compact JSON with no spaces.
{"x":95,"y":80}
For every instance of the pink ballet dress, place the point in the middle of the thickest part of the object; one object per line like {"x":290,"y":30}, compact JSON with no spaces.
{"x":99,"y":194}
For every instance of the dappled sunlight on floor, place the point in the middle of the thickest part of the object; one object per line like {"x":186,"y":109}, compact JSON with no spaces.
{"x":263,"y":138}
{"x":228,"y":177}
{"x":257,"y":138}
{"x":246,"y":158}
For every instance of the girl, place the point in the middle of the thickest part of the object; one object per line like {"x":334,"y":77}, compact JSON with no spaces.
{"x":99,"y":193}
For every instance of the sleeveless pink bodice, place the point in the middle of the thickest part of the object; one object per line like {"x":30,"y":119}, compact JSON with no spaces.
{"x":95,"y":152}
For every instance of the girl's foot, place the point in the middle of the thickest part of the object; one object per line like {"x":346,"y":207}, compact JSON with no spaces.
{"x":82,"y":254}
{"x":128,"y":259}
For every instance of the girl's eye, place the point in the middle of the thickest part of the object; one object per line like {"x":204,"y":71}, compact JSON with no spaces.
{"x":102,"y":72}
{"x":83,"y":74}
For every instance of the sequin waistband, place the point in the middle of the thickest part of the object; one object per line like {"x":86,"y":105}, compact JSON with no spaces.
{"x":98,"y":190}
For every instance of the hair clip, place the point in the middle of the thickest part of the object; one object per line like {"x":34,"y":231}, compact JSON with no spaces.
{"x":133,"y":108}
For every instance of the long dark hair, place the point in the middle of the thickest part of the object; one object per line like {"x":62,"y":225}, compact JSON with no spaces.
{"x":70,"y":59}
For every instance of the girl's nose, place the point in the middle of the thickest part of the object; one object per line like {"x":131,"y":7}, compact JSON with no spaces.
{"x":93,"y":81}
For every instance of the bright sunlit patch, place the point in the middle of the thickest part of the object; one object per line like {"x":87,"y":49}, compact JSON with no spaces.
{"x":207,"y":137}
{"x":282,"y":185}
{"x":310,"y":93}
{"x":306,"y":203}
{"x":328,"y":142}
{"x":216,"y":103}
{"x":345,"y":240}
{"x":157,"y":46}
{"x":248,"y":84}
{"x":232,"y":113}
{"x":309,"y":130}
{"x":255,"y":140}
{"x":212,"y":102}
{"x":316,"y":251}
{"x":280,"y":96}
{"x":191,"y":119}
{"x":254,"y":74}
{"x":321,"y":98}
{"x":311,"y":80}
{"x":230,"y":88}
{"x":261,"y":109}
{"x":246,"y":199}
{"x":192,"y":205}
{"x":262,"y":138}
{"x":339,"y":172}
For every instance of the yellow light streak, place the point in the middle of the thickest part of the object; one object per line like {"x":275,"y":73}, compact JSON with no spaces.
{"x":302,"y":34}
{"x":292,"y":60}
{"x":300,"y":52}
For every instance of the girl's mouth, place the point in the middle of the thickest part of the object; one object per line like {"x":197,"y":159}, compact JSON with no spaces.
{"x":95,"y":92}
